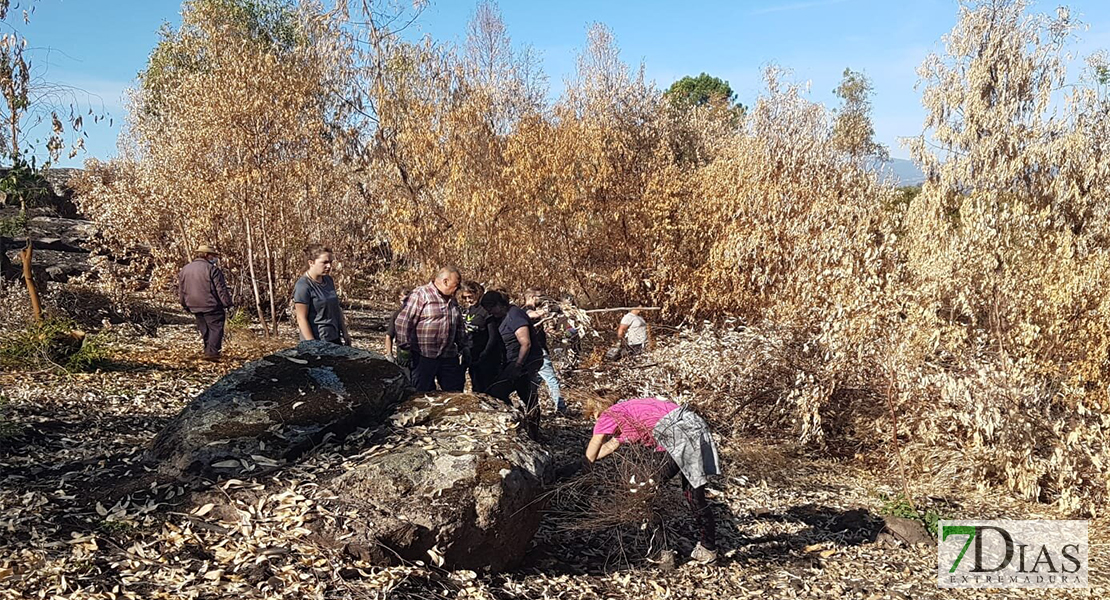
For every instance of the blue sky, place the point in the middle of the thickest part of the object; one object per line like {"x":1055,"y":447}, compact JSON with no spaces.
{"x":100,"y":45}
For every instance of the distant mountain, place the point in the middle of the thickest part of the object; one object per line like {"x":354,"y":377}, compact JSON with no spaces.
{"x":901,"y":172}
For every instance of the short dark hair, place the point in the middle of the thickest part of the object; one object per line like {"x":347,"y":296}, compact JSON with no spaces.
{"x":448,"y":270}
{"x":494,"y":299}
{"x":313,"y":251}
{"x":473,"y":287}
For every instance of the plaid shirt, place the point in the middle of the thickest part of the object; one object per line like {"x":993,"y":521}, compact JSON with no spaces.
{"x":430,"y":323}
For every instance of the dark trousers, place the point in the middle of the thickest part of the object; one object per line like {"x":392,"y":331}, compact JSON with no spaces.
{"x":695,"y":498}
{"x":446,"y":370}
{"x":482,"y":374}
{"x":526,"y":384}
{"x":634,"y":350}
{"x":211,"y":327}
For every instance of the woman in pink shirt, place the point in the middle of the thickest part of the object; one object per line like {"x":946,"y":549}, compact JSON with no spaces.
{"x":683,"y":440}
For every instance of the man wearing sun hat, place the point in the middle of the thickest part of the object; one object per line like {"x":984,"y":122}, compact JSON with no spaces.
{"x":202,"y":290}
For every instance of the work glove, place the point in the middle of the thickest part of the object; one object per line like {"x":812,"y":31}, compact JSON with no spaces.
{"x":404,"y":358}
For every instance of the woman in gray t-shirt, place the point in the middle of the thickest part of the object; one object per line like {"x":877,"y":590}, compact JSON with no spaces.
{"x":316,"y":302}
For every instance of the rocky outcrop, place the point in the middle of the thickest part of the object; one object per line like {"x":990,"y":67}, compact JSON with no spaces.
{"x":272,"y":410}
{"x":66,"y":247}
{"x":900,"y":530}
{"x":62,"y":247}
{"x":445,"y":478}
{"x":458,"y":484}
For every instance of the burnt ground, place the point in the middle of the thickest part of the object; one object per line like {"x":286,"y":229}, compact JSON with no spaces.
{"x":82,"y":518}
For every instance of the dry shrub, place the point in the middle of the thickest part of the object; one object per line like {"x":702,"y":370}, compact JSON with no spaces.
{"x":992,"y":424}
{"x":621,"y":490}
{"x":1003,"y":374}
{"x":763,"y":380}
{"x":781,"y":225}
{"x":978,"y":308}
{"x":235,"y":139}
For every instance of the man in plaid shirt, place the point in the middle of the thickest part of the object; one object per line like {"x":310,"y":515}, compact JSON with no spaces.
{"x":430,"y":334}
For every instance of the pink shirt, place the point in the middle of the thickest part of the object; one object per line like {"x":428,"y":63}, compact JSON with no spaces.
{"x":633,"y":420}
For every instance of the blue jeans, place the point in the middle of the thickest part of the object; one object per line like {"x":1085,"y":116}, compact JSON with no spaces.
{"x":547,"y":373}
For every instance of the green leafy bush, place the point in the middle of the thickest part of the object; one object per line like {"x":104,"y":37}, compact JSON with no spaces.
{"x":57,"y":342}
{"x":240,"y":319}
{"x":899,"y":506}
{"x":14,"y":226}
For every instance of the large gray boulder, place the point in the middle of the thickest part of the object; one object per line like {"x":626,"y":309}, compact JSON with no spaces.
{"x":460,"y":486}
{"x":445,"y":478}
{"x":272,"y":410}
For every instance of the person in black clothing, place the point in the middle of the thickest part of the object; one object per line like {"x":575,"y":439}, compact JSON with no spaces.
{"x":538,"y":312}
{"x":523,"y":358}
{"x":482,"y":353}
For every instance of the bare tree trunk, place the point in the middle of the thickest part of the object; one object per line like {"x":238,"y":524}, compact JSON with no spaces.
{"x":3,"y":259}
{"x":29,"y":279}
{"x":186,"y":251}
{"x":269,"y":269}
{"x":890,"y":390}
{"x":273,"y":302}
{"x":254,"y":278}
{"x":13,"y":123}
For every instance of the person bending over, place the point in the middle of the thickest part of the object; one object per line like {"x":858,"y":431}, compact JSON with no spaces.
{"x":683,"y":445}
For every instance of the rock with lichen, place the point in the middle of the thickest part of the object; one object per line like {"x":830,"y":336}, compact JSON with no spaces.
{"x":445,"y":478}
{"x":272,"y":410}
{"x":456,"y":483}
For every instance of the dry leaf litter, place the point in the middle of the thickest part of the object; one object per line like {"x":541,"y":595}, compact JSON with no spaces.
{"x":81,"y":518}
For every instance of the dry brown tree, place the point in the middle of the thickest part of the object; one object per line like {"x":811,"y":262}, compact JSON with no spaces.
{"x":1007,"y":245}
{"x":236,"y":138}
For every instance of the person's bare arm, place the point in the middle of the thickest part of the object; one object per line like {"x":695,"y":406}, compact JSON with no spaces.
{"x":388,"y":345}
{"x":343,"y":329}
{"x":601,"y":445}
{"x":525,"y":344}
{"x":302,"y":321}
{"x":621,"y":331}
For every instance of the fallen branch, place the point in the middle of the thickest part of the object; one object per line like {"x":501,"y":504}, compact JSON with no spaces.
{"x":623,"y":308}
